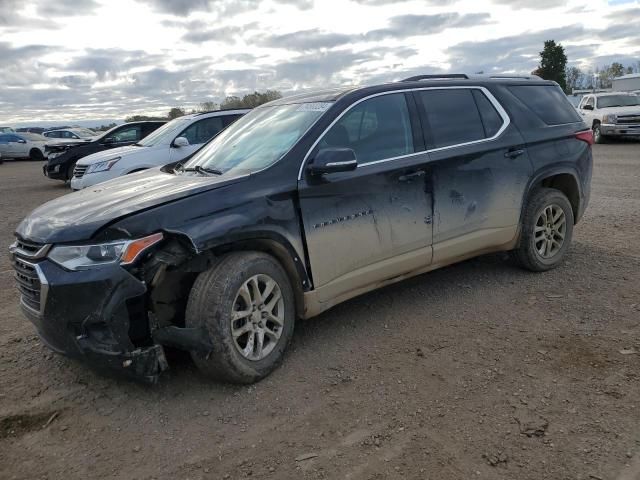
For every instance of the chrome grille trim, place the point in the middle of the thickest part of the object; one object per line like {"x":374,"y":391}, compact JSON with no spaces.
{"x":79,"y":170}
{"x":26,"y":249}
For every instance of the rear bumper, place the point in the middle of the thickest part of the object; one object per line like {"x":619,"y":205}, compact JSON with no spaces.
{"x":94,"y":315}
{"x":620,"y":130}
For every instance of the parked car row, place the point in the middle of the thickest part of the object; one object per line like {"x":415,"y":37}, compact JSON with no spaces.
{"x":62,"y":157}
{"x":297,"y":206}
{"x":172,"y":142}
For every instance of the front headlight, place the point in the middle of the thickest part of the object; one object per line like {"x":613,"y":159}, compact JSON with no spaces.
{"x":82,"y":257}
{"x":610,"y":118}
{"x":102,"y":166}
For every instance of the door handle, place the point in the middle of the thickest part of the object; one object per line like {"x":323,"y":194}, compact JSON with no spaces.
{"x":514,"y":153}
{"x":411,"y":176}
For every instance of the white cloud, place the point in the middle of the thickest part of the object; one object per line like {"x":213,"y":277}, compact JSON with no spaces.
{"x":86,"y":58}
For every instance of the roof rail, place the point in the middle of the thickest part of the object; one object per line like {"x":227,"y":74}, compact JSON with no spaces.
{"x":220,"y":110}
{"x":518,"y":77}
{"x":435,"y":77}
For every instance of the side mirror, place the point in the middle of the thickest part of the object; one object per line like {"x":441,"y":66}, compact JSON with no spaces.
{"x":109,"y":140}
{"x":332,"y":160}
{"x":22,"y":141}
{"x":180,"y":142}
{"x":588,"y":107}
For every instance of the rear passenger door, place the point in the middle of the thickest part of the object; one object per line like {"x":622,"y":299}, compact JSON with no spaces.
{"x":373,"y":223}
{"x":480,"y":169}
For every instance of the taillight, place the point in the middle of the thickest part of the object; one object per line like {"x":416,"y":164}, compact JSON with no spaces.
{"x":586,"y":136}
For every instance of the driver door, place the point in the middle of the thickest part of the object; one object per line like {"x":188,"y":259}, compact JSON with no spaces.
{"x":373,"y":223}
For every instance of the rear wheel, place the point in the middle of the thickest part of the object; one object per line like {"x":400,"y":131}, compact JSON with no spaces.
{"x":547,"y":228}
{"x":36,"y":154}
{"x":246,"y":304}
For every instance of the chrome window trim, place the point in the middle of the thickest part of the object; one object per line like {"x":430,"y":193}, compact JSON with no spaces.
{"x":506,"y":121}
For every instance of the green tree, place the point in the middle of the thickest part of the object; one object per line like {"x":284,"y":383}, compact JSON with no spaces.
{"x":250,"y":100}
{"x":616,"y":70}
{"x":142,"y":118}
{"x":207,"y":106}
{"x":629,"y":70}
{"x":175,"y":112}
{"x":553,"y":63}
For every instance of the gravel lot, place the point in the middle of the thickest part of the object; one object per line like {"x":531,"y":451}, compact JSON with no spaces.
{"x":479,"y":370}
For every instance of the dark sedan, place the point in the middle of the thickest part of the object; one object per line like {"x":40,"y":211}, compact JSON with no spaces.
{"x":62,"y":157}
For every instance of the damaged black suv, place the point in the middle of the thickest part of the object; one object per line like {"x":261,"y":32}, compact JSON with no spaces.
{"x":301,"y":204}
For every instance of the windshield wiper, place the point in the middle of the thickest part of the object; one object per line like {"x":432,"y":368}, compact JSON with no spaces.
{"x":202,"y":170}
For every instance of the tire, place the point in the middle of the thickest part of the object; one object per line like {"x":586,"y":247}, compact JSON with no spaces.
{"x":537,"y":249}
{"x":598,"y":137}
{"x":36,"y":154}
{"x":216,"y":293}
{"x":70,"y":171}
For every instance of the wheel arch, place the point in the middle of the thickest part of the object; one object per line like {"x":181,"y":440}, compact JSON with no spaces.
{"x":564,"y":180}
{"x":283,"y":252}
{"x":183,"y":255}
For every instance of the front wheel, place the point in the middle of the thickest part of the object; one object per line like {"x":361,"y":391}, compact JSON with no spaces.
{"x":598,"y":137}
{"x":246,"y":304}
{"x":547,"y":228}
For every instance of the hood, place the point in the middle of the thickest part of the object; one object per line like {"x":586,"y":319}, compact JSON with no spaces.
{"x":635,"y":109}
{"x":127,"y":151}
{"x":78,"y":216}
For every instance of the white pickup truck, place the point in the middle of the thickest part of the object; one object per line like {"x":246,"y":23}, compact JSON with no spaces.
{"x":611,"y":114}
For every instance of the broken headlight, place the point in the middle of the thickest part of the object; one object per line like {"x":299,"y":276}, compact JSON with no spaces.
{"x":82,"y":257}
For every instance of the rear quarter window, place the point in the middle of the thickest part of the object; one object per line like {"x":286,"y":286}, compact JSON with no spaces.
{"x":547,"y":102}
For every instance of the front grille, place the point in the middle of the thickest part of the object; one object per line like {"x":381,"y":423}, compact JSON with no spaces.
{"x":28,"y":248}
{"x":629,"y":119}
{"x":79,"y":171}
{"x":28,"y":283}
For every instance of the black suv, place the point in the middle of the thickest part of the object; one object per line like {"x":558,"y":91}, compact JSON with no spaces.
{"x":62,"y":157}
{"x":301,"y":204}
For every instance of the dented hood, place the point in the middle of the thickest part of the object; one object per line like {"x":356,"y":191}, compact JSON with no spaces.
{"x":79,"y":215}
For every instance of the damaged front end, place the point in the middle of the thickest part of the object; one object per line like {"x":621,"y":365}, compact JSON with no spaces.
{"x":115,"y":315}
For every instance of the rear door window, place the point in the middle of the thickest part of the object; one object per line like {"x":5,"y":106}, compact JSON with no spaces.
{"x":491,"y":119}
{"x":376,"y":129}
{"x":547,"y":102}
{"x":453,"y":116}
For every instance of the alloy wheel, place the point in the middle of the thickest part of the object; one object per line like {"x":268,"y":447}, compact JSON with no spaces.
{"x":257,"y":317}
{"x":549,"y":231}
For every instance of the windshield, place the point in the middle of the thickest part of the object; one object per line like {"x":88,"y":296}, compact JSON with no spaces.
{"x":166,"y":133}
{"x":258,"y":139}
{"x":618,"y":101}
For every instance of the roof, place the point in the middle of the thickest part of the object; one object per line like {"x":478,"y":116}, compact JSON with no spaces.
{"x":628,"y":76}
{"x":334,"y":94}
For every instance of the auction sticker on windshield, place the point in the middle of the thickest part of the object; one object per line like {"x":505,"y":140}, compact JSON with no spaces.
{"x":314,"y":107}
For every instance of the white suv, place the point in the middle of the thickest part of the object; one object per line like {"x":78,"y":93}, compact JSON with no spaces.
{"x":170,"y":143}
{"x":615,"y":114}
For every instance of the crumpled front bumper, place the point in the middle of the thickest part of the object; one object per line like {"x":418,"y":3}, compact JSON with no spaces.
{"x":93,"y":315}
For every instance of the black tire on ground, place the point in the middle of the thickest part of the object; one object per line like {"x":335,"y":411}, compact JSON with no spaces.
{"x":598,"y":137}
{"x":36,"y":154}
{"x":70,"y":171}
{"x":210,"y":304}
{"x":527,"y":254}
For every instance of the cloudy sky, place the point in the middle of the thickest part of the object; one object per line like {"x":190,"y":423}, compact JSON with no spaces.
{"x":107,"y":59}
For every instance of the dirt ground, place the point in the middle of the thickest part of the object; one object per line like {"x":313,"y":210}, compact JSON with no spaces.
{"x":479,"y":370}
